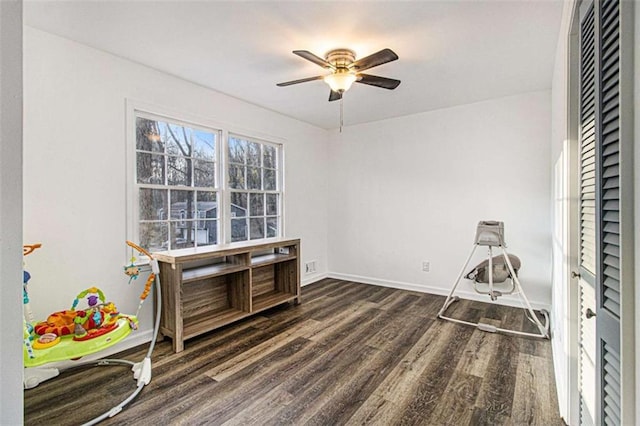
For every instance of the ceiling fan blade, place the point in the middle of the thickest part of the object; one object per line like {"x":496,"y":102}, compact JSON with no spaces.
{"x":378,"y":58}
{"x":302,"y":80}
{"x":374,"y":80}
{"x":313,"y":58}
{"x":334,"y":96}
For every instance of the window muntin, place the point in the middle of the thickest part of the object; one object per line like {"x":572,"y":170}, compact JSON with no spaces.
{"x":177,"y":184}
{"x":254,"y":180}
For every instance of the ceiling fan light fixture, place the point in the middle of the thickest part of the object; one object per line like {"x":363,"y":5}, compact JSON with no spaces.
{"x":340,"y":82}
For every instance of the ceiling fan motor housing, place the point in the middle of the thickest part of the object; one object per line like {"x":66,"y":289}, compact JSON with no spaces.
{"x":341,"y":58}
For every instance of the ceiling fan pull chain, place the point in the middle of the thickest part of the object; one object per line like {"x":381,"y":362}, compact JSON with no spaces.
{"x":341,"y":113}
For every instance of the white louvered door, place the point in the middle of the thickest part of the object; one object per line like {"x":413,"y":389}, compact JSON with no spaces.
{"x":587,"y":258}
{"x":608,"y":253}
{"x":606,"y":260}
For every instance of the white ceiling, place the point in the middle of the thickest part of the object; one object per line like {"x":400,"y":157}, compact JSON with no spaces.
{"x":451,"y":52}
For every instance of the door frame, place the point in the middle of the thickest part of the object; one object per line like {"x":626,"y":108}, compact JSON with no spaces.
{"x":572,"y":215}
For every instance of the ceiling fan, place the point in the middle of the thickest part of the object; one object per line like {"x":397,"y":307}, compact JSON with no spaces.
{"x":345,"y":70}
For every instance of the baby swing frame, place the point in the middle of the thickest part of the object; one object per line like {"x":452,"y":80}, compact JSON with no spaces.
{"x":141,"y":370}
{"x":491,"y":234}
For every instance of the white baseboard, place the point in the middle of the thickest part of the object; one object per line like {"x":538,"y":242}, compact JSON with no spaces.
{"x":513,"y":301}
{"x":312,"y":278}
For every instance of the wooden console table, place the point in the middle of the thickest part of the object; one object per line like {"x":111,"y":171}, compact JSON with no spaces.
{"x":208,"y":287}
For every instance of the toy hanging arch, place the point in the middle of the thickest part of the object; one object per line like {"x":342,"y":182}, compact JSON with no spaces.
{"x":74,"y":333}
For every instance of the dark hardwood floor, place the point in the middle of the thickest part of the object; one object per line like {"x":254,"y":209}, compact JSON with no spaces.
{"x":349,"y":354}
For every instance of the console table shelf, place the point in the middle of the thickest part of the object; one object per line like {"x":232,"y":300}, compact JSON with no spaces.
{"x":268,"y":259}
{"x":210,"y":271}
{"x":209,"y":287}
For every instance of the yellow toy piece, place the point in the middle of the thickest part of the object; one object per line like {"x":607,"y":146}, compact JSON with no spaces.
{"x":46,"y":341}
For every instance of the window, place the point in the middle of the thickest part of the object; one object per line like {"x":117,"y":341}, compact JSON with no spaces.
{"x":254,"y":173}
{"x":177,"y":184}
{"x":179,"y":198}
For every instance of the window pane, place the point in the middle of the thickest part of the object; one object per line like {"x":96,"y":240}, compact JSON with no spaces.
{"x":182,"y":204}
{"x":204,"y":145}
{"x":207,"y":232}
{"x":207,"y":205}
{"x":238,"y":204}
{"x":253,"y":156}
{"x":237,"y":150}
{"x":172,"y":155}
{"x":272,"y":204}
{"x":256,"y":204}
{"x":150,"y":168}
{"x":152,"y":204}
{"x":257,"y":228}
{"x":269,"y":156}
{"x":179,"y":171}
{"x":254,"y":180}
{"x":154,"y":236}
{"x":182,"y":234}
{"x":272,"y":227}
{"x":204,"y":173}
{"x":148,"y":135}
{"x":177,"y":138}
{"x":270,"y":180}
{"x":236,"y":177}
{"x":238,"y":229}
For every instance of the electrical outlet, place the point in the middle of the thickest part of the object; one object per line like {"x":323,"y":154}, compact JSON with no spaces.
{"x":426,"y":266}
{"x":310,"y":267}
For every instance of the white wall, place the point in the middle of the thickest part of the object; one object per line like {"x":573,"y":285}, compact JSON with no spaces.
{"x":74,"y":168}
{"x":412,"y":189}
{"x":11,"y":406}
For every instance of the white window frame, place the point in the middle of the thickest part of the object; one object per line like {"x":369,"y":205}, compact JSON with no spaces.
{"x":279,"y":147}
{"x":135,"y":108}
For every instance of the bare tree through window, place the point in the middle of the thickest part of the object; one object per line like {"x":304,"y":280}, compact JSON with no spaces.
{"x":177,"y":186}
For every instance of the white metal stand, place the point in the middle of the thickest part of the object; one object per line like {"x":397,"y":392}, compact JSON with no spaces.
{"x":491,"y":234}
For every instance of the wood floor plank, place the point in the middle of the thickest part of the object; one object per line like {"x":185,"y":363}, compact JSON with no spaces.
{"x":247,"y":357}
{"x":401,"y":384}
{"x":533,"y":400}
{"x":351,"y":353}
{"x":461,"y":393}
{"x":365,"y":378}
{"x":220,"y":403}
{"x":380,"y":294}
{"x":343,"y":351}
{"x":341,"y":321}
{"x":434,"y":379}
{"x":427,"y":306}
{"x":376,"y":410}
{"x":496,"y":394}
{"x":259,"y":411}
{"x":478,"y":352}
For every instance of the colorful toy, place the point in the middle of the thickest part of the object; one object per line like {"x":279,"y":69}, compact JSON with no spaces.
{"x":28,"y":315}
{"x":26,"y":276}
{"x":74,"y":333}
